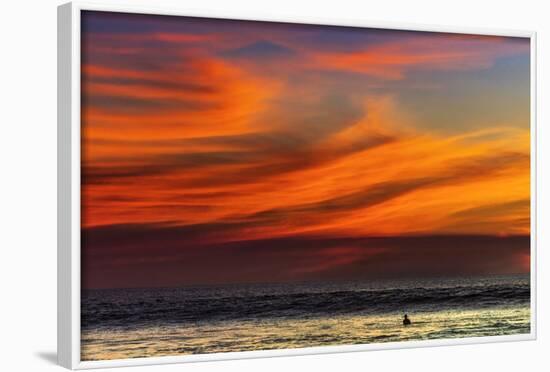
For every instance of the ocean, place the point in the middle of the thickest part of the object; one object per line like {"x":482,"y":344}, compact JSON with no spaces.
{"x":132,"y":323}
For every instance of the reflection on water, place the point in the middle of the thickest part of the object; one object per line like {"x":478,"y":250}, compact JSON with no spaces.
{"x":143,"y":323}
{"x":282,"y":333}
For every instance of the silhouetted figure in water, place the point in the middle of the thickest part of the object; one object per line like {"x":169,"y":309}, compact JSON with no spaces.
{"x":406,"y":320}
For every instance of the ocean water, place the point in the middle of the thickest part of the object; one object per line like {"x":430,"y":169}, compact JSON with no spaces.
{"x":131,"y":323}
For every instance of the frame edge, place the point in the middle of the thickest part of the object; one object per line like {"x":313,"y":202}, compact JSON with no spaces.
{"x":534,"y":183}
{"x":64,"y":250}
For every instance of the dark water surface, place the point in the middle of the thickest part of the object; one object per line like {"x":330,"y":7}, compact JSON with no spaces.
{"x":126,"y":322}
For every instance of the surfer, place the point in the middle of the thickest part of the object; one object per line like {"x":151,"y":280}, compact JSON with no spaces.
{"x":406,"y":320}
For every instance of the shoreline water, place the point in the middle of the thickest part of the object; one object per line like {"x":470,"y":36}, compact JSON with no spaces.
{"x":130,"y":323}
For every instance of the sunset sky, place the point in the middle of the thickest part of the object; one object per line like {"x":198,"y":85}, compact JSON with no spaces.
{"x":218,"y":151}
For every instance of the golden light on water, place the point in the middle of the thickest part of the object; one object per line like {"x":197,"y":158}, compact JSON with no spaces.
{"x":216,"y":337}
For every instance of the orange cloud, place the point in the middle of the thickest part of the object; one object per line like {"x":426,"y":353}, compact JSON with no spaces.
{"x":368,"y":179}
{"x":208,"y":98}
{"x":392,"y":60}
{"x":200,"y":141}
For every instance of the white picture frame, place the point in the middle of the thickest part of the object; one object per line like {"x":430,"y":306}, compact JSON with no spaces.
{"x":69,"y":188}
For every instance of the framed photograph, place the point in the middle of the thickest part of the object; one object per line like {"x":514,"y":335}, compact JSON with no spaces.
{"x":238,"y":187}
